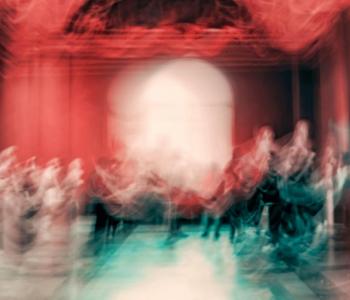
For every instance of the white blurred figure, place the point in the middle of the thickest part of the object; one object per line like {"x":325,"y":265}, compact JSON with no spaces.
{"x":30,"y":177}
{"x":53,"y":232}
{"x":70,"y":185}
{"x":264,"y":148}
{"x":329,"y":181}
{"x":242,"y":177}
{"x":7,"y":159}
{"x":50,"y":190}
{"x":296,"y":157}
{"x":249,"y":170}
{"x":21,"y":211}
{"x":329,"y":166}
{"x":300,"y":194}
{"x":125,"y":183}
{"x":10,"y":206}
{"x":30,"y":199}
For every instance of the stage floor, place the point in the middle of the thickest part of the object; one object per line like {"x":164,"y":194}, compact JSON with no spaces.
{"x":141,"y":264}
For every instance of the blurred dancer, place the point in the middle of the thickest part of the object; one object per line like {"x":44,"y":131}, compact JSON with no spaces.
{"x":250,"y":172}
{"x":296,"y":158}
{"x":121,"y":186}
{"x":262,"y":158}
{"x":70,"y":185}
{"x":295,"y":169}
{"x":31,"y":202}
{"x":7,"y":160}
{"x":213,"y":189}
{"x":329,"y":167}
{"x":21,"y":211}
{"x":11,"y":230}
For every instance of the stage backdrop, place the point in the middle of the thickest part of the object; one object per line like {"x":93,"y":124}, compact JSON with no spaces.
{"x":56,"y":105}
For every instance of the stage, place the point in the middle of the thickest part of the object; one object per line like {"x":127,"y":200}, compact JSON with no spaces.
{"x":140,"y":263}
{"x":152,"y":119}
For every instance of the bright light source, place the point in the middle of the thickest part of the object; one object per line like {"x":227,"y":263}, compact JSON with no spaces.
{"x":177,"y":117}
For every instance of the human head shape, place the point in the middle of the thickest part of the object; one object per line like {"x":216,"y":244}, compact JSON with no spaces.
{"x":50,"y":173}
{"x":75,"y":170}
{"x":264,"y":138}
{"x":301,"y":133}
{"x":75,"y":164}
{"x":8,"y":154}
{"x":9,"y":151}
{"x":7,"y":160}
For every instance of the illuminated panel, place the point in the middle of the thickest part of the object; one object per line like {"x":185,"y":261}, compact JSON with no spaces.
{"x":177,"y":119}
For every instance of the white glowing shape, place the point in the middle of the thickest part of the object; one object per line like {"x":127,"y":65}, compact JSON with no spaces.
{"x":178,"y":119}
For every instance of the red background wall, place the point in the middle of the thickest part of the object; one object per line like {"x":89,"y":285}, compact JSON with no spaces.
{"x":56,"y":106}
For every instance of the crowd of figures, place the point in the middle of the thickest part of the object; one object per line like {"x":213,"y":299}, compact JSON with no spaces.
{"x":38,"y":204}
{"x":298,"y":190}
{"x":296,"y":187}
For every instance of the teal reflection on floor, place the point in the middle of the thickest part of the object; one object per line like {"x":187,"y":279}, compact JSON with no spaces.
{"x":146,"y":266}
